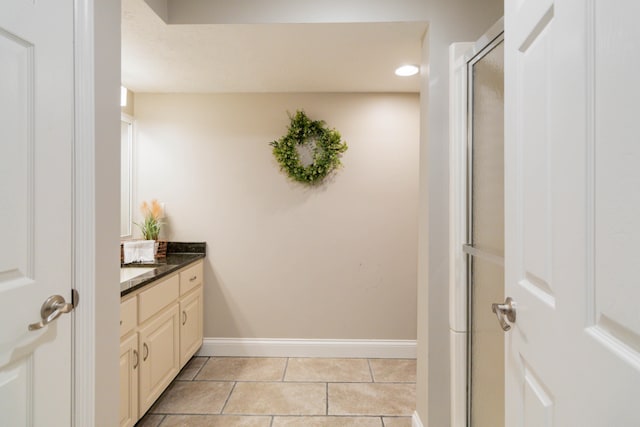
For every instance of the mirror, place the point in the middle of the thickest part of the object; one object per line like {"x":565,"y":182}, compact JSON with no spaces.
{"x":126,"y":174}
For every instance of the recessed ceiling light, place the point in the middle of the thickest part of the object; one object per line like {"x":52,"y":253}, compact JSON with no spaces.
{"x":407,"y":70}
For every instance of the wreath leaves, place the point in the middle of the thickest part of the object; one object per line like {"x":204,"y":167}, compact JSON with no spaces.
{"x":326,"y":153}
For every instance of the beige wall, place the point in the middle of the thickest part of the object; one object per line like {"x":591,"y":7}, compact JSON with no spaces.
{"x":284,"y":260}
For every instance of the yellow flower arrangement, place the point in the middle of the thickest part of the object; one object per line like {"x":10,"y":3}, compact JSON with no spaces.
{"x":151,"y":212}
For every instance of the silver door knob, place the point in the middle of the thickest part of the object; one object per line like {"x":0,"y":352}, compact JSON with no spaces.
{"x":508,"y":310}
{"x":52,"y":308}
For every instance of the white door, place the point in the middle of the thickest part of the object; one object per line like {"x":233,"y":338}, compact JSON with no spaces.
{"x":36,"y":146}
{"x":572,"y":203}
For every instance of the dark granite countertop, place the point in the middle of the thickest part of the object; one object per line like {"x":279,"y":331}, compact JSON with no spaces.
{"x":179,"y":255}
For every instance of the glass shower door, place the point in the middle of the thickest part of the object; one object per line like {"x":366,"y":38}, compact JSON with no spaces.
{"x":485,"y":248}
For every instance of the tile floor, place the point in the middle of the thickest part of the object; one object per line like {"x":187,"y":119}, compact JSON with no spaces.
{"x":288,"y":392}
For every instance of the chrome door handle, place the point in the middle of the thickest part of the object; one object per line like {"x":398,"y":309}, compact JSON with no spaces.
{"x":507,"y":309}
{"x":52,"y":308}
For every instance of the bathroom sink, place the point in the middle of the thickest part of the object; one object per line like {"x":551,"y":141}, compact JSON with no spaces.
{"x":129,"y":273}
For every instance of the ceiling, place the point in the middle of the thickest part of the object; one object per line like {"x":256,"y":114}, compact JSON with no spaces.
{"x":228,"y":58}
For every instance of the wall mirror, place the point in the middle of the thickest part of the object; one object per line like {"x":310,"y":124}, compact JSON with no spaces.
{"x":126,"y":175}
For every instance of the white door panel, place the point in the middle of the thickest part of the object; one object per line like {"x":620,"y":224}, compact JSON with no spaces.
{"x":616,"y":178}
{"x":572,"y":212}
{"x":537,"y":402}
{"x":36,"y":124}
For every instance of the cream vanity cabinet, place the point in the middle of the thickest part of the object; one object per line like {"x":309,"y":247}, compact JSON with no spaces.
{"x":190,"y":312}
{"x":160,"y":330}
{"x":129,"y":365}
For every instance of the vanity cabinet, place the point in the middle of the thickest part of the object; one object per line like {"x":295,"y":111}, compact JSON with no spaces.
{"x":190,"y":325}
{"x":190,"y":312}
{"x":160,"y":330}
{"x":159,"y":353}
{"x":129,"y":364}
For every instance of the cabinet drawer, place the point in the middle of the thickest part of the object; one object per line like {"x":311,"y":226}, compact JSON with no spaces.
{"x":128,"y":316}
{"x":157,"y":297}
{"x":190,"y":278}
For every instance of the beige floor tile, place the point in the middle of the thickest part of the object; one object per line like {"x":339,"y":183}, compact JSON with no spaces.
{"x":187,"y":374}
{"x":393,"y":370}
{"x":197,"y":397}
{"x":372,"y":399}
{"x":397,"y":422}
{"x":191,"y":369}
{"x":196,"y":362}
{"x":253,"y":398}
{"x":327,"y":422}
{"x":243,"y":369}
{"x":150,"y":420}
{"x":328,"y":370}
{"x":215,"y":421}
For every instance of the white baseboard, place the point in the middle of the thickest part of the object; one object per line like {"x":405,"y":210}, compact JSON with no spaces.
{"x":270,"y":347}
{"x":415,"y":420}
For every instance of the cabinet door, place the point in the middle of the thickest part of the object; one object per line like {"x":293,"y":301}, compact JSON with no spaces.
{"x":129,"y":363}
{"x":190,"y":324}
{"x":159,"y":352}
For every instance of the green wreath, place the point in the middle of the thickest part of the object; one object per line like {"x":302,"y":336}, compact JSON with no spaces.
{"x":326,"y":152}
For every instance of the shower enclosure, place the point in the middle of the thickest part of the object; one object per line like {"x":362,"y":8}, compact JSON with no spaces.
{"x":485,"y":234}
{"x":478,"y":235}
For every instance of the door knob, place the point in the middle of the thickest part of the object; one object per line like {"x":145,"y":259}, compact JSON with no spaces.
{"x":52,"y":308}
{"x":508,"y":310}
